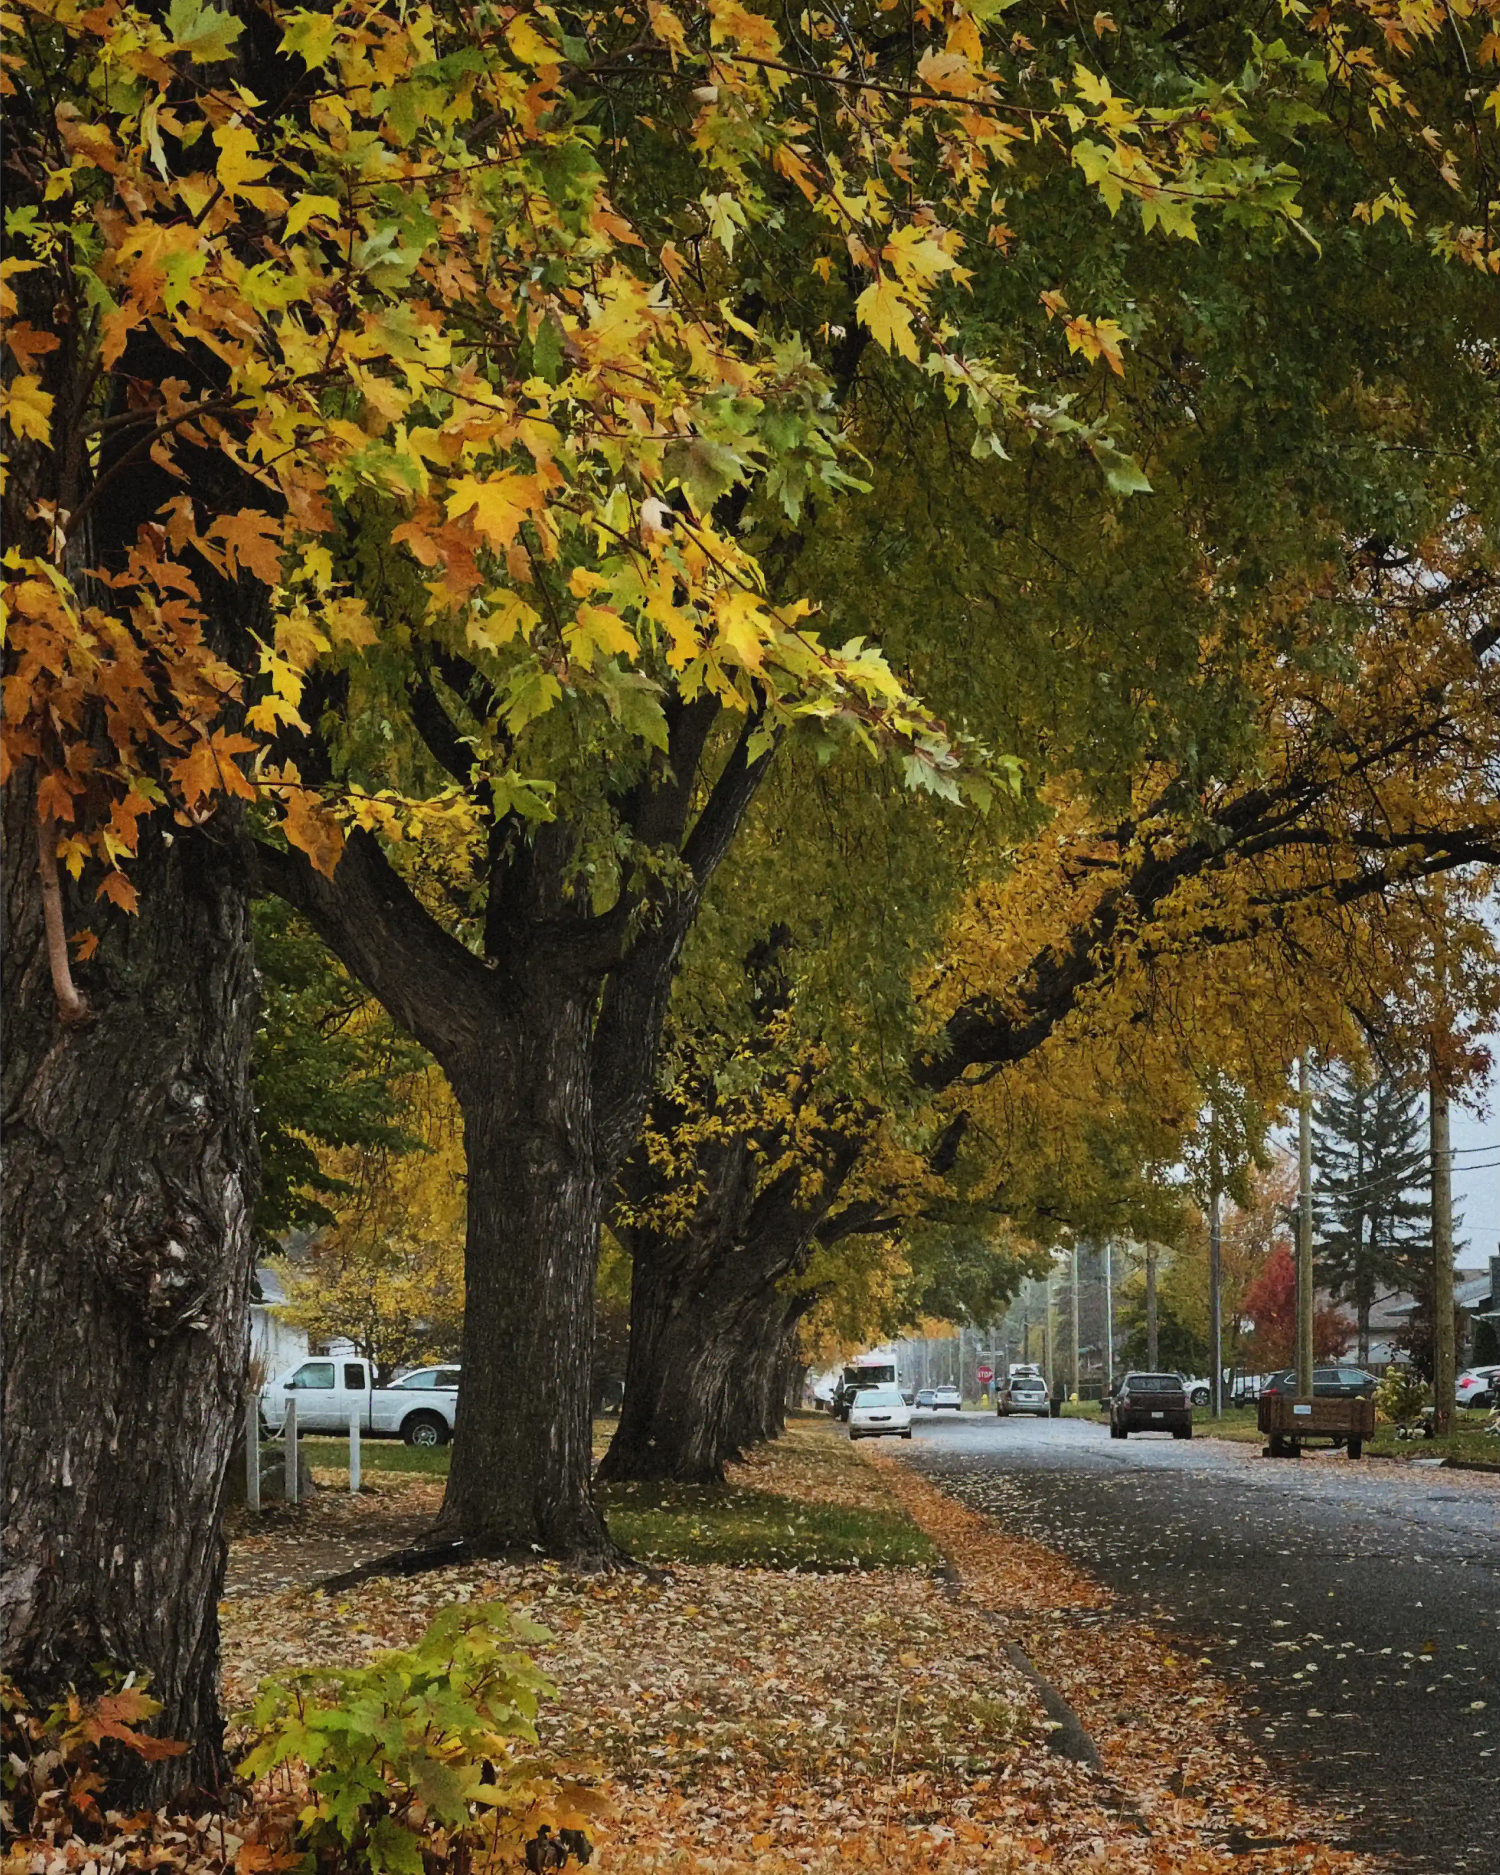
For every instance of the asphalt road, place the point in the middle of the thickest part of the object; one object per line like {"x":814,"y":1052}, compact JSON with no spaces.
{"x":1355,"y":1605}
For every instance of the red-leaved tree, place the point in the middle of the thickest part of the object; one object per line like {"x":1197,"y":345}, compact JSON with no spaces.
{"x":1270,"y":1303}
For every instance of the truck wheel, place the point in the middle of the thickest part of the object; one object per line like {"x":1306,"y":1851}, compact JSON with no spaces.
{"x":907,"y":1433}
{"x":428,"y":1430}
{"x":1277,"y":1447}
{"x":1182,"y":1432}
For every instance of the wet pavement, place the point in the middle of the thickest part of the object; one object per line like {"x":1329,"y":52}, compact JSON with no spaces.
{"x":1355,"y":1606}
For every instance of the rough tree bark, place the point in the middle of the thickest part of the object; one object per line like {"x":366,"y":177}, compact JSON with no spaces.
{"x":128,"y":1192}
{"x":549,"y":1040}
{"x":760,"y":1380}
{"x":709,"y":1314}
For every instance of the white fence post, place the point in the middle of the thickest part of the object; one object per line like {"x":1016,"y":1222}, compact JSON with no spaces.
{"x":354,"y":1448}
{"x":293,"y":1467}
{"x":252,"y":1452}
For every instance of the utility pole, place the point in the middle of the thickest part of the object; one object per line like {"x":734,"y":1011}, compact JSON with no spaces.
{"x":1109,"y":1314}
{"x":1151,"y":1338}
{"x":1049,"y":1357}
{"x":1075,"y":1317}
{"x":1215,"y":1276}
{"x":1443,"y":1361}
{"x":1305,"y":1291}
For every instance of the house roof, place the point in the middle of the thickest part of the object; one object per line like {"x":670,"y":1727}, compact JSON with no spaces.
{"x":269,"y":1287}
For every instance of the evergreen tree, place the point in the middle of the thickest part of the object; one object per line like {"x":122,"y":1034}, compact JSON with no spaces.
{"x":1370,"y":1160}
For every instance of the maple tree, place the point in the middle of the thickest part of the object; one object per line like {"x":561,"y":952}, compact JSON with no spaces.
{"x":408,"y":448}
{"x":1270,"y":1303}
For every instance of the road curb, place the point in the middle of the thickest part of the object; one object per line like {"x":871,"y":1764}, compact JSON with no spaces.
{"x":1066,"y":1735}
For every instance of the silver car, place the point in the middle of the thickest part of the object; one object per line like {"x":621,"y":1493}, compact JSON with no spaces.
{"x":1023,"y":1393}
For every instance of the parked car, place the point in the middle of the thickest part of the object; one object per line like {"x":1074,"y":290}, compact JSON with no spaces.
{"x":1478,"y":1386}
{"x":1150,"y":1403}
{"x":947,"y":1397}
{"x":878,"y":1411}
{"x":1022,"y":1393}
{"x":420,"y":1407}
{"x":1329,"y":1383}
{"x":1199,"y":1392}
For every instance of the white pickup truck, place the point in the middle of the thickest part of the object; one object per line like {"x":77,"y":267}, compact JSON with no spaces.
{"x":419,"y":1407}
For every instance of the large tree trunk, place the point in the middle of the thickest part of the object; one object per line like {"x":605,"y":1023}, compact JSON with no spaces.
{"x":128,"y":1188}
{"x":523,"y":1457}
{"x":687,"y":1329}
{"x":550,"y":1044}
{"x":758,"y":1410}
{"x":708,"y":1317}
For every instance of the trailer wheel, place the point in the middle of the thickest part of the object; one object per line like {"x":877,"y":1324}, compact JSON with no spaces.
{"x":1356,"y":1447}
{"x":427,"y":1430}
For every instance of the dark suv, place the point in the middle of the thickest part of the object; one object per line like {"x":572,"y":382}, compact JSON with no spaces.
{"x":1150,"y":1403}
{"x":1329,"y":1383}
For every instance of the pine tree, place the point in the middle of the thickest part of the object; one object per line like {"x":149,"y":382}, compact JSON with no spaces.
{"x":1370,"y":1161}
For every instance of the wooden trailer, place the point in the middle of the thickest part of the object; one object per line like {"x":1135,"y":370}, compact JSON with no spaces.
{"x":1289,"y":1423}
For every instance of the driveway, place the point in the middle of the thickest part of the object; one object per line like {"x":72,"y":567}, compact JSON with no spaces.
{"x":1355,"y":1605}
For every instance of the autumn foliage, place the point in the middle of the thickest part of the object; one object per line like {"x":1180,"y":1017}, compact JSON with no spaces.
{"x":1270,"y":1303}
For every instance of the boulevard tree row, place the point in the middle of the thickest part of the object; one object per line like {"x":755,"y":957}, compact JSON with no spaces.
{"x":521,"y":486}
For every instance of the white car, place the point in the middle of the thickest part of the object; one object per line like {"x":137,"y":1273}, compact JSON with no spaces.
{"x":877,"y":1411}
{"x":1199,"y":1392}
{"x":1478,"y":1386}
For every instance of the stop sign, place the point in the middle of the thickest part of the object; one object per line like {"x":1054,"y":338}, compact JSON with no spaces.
{"x":985,"y":1373}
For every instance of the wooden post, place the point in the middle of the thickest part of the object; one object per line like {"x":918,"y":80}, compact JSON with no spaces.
{"x":1075,"y":1318}
{"x":1306,"y":1290}
{"x":1151,"y":1323}
{"x":293,"y":1470}
{"x":1215,"y":1282}
{"x":252,"y":1452}
{"x":353,"y":1448}
{"x":1443,"y":1361}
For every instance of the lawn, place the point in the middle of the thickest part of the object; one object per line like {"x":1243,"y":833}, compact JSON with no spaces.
{"x":809,"y":1507}
{"x":376,"y":1455}
{"x":750,"y":1529}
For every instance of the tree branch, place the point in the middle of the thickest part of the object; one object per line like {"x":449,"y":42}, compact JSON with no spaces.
{"x":370,"y":919}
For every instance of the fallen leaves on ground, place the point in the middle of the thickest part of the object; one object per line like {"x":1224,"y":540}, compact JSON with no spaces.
{"x":1170,"y":1735}
{"x":756,"y":1720}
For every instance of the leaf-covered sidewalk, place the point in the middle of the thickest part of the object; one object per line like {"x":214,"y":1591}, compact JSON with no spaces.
{"x":753,"y":1719}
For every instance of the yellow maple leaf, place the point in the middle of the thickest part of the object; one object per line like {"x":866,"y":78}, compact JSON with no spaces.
{"x":309,"y":827}
{"x":598,"y":631}
{"x":499,"y":506}
{"x":744,"y":626}
{"x":917,"y":257}
{"x":239,"y":168}
{"x":28,"y":409}
{"x":884,"y":311}
{"x":1097,"y":338}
